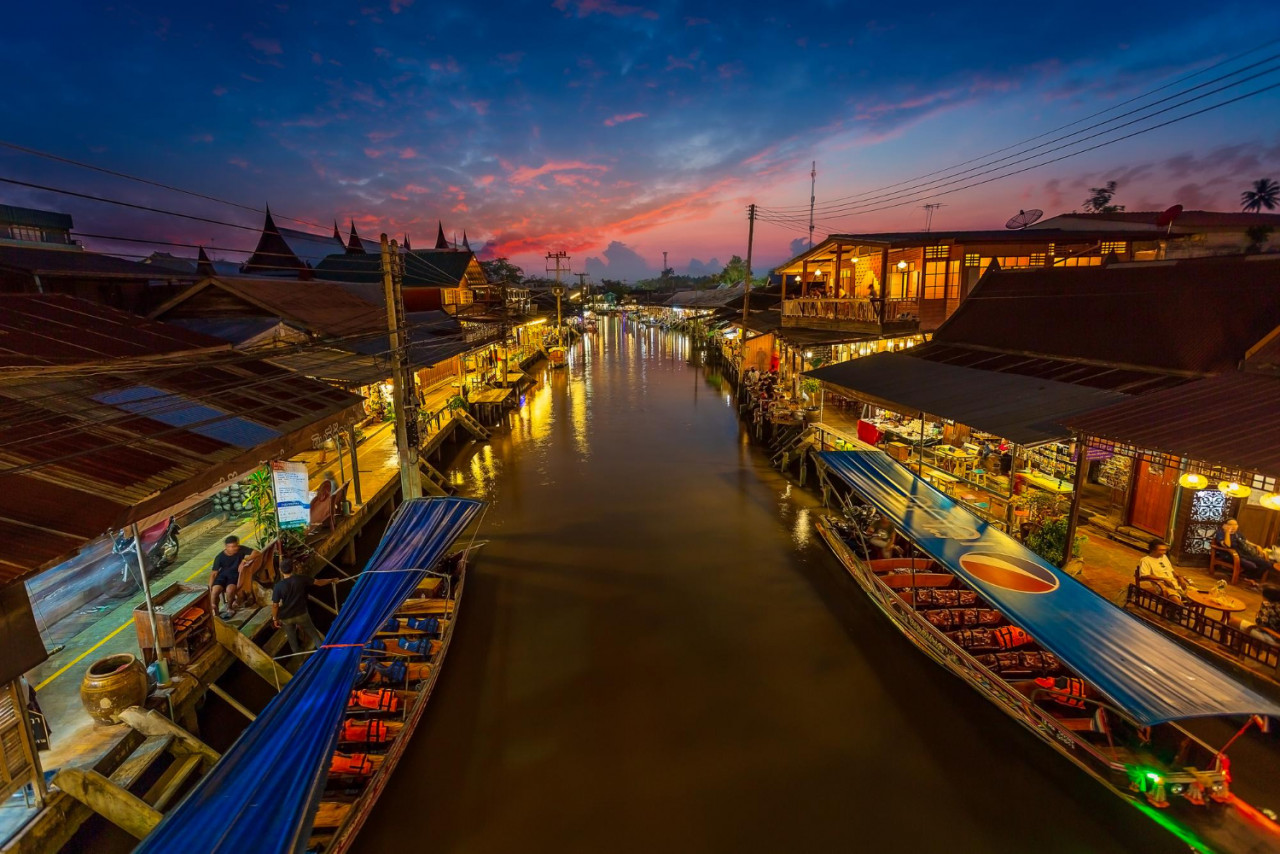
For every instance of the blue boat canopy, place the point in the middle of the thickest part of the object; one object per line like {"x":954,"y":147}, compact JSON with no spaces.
{"x":1140,"y":670}
{"x":263,"y":793}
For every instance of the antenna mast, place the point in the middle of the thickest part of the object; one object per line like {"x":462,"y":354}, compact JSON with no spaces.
{"x":813,"y":186}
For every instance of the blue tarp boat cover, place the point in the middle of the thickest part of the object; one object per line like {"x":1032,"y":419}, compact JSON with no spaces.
{"x":262,"y":794}
{"x":1140,"y":670}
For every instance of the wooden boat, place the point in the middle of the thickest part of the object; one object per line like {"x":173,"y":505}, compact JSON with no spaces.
{"x":398,"y":673}
{"x":973,"y":599}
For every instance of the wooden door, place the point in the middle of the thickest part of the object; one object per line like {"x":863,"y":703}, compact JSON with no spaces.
{"x":1154,"y":487}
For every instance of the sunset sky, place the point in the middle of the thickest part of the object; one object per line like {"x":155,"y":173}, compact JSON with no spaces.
{"x":617,"y":131}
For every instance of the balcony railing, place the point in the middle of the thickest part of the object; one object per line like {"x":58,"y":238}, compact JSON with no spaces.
{"x":856,"y":310}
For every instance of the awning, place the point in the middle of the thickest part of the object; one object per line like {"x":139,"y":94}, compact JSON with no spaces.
{"x":1140,"y":670}
{"x":1228,"y":420}
{"x":263,"y":793}
{"x":1025,"y":410}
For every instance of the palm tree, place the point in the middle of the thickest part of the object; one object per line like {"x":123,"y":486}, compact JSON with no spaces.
{"x":1265,"y":194}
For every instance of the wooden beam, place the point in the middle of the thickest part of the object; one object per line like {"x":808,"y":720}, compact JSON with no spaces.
{"x":118,"y":806}
{"x":250,"y":653}
{"x":149,"y":722}
{"x":232,"y":701}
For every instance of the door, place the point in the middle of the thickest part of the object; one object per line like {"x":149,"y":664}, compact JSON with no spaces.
{"x":1154,"y":487}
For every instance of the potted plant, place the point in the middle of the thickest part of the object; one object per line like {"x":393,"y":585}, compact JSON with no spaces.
{"x":1050,"y":540}
{"x":810,"y":387}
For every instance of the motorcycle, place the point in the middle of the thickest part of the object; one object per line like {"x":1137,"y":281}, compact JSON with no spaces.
{"x":159,"y":549}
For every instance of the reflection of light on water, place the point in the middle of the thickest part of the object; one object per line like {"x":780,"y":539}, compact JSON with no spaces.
{"x":802,"y":530}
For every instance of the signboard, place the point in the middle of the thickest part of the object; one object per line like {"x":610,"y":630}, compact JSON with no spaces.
{"x":293,"y":494}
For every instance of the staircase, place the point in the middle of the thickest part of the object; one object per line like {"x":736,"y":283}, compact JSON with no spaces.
{"x":477,"y":429}
{"x":433,"y":482}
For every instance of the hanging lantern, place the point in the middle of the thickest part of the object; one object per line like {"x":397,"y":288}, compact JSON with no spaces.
{"x":1193,"y":481}
{"x":1271,"y":501}
{"x":1233,"y":489}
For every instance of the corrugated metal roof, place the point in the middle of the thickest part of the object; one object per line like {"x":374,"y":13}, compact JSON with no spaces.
{"x":325,"y":308}
{"x":1196,"y":316}
{"x":1230,"y":420}
{"x":34,"y":218}
{"x":93,"y":450}
{"x":1185,"y":220}
{"x":1126,"y":380}
{"x":37,"y":260}
{"x":1021,"y":409}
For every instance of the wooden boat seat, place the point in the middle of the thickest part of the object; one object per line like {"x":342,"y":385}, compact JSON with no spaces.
{"x":920,"y":579}
{"x":331,"y":814}
{"x":1097,"y":722}
{"x":890,"y":564}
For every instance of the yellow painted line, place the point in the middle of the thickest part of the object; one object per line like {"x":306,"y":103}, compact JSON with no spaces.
{"x":73,"y":662}
{"x":81,"y":656}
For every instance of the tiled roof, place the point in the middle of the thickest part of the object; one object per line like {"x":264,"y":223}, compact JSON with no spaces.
{"x":74,"y":262}
{"x":1194,"y":316}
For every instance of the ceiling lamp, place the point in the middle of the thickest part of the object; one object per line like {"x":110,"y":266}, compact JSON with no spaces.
{"x":902,"y":265}
{"x":1271,"y":501}
{"x":1193,"y":481}
{"x":1235,"y":490}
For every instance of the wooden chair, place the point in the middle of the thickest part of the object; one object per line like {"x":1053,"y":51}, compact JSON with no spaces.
{"x":1228,"y":559}
{"x":259,"y":566}
{"x":322,"y":506}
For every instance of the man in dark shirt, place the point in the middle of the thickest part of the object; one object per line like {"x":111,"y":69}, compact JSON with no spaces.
{"x":289,"y":605}
{"x":225,"y":577}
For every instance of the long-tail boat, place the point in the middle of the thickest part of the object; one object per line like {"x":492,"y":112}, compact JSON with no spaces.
{"x":1101,"y":688}
{"x":305,"y":774}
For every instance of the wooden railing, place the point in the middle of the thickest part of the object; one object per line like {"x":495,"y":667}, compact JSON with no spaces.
{"x":861,"y":310}
{"x":1196,"y":620}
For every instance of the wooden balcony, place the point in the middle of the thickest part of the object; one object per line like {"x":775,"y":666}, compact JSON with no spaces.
{"x":852,"y":315}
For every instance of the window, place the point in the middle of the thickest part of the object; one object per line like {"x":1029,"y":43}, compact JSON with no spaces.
{"x":941,"y":279}
{"x":937,"y":251}
{"x":1037,"y":259}
{"x":972,"y":261}
{"x":1081,"y":261}
{"x":1013,"y":262}
{"x":1116,"y":246}
{"x":25,"y":232}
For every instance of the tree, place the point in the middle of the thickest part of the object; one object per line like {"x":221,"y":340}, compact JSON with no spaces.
{"x":735,"y":271}
{"x":501,"y":270}
{"x":1258,"y":235}
{"x":1265,"y":194}
{"x":1099,"y":200}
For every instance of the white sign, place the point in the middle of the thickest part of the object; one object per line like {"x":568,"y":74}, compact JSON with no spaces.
{"x":293,"y":502}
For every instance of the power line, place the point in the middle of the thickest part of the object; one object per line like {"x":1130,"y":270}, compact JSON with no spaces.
{"x":935,"y":192}
{"x":1102,"y":112}
{"x":60,"y":159}
{"x":1022,"y":159}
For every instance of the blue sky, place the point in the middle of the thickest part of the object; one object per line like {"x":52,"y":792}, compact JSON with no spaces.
{"x":609,"y":129}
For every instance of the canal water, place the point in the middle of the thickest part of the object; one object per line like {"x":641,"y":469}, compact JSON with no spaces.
{"x":656,"y":653}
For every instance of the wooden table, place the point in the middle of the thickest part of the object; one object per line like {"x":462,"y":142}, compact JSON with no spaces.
{"x":1210,"y":601}
{"x":1049,"y":484}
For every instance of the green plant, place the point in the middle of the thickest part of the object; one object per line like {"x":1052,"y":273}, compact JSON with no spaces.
{"x":260,"y":501}
{"x":810,"y":388}
{"x":1050,"y":539}
{"x":457,"y":402}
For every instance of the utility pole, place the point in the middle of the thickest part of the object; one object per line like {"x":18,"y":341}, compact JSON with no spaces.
{"x":746,"y":289}
{"x":404,"y":397}
{"x":928,"y":214}
{"x":664,"y":263}
{"x":813,"y":189}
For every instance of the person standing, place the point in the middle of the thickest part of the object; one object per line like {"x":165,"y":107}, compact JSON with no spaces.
{"x":226,"y":575}
{"x":289,"y":605}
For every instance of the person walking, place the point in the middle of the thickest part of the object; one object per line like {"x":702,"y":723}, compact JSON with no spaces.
{"x":289,"y":606}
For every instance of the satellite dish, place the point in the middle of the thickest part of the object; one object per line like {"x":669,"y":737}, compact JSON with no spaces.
{"x":1165,"y":220}
{"x":1024,"y":219}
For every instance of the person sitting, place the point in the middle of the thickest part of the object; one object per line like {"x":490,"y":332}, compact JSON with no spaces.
{"x":1155,"y":568}
{"x":1253,"y":564}
{"x":226,"y":574}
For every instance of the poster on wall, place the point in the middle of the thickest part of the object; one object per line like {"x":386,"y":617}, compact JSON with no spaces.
{"x":293,"y":504}
{"x":1114,"y":472}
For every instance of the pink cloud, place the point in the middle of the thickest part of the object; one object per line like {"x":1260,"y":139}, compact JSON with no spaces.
{"x":398,"y":5}
{"x":583,"y":8}
{"x":408,"y":153}
{"x":623,"y":117}
{"x":219,"y":91}
{"x":460,"y":207}
{"x":525,"y":174}
{"x":239,"y":161}
{"x":270,"y":47}
{"x":481,"y":107}
{"x":372,"y":153}
{"x":676,"y":62}
{"x":202,"y":137}
{"x":484,"y":180}
{"x":448,"y":65}
{"x":695,"y":22}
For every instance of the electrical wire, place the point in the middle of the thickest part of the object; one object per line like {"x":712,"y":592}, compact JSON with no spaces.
{"x":948,"y":169}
